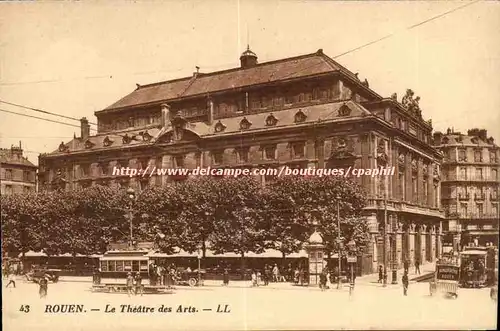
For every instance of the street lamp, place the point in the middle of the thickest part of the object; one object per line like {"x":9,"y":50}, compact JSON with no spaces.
{"x":339,"y":283}
{"x":131,"y":196}
{"x":199,"y":267}
{"x":352,"y":260}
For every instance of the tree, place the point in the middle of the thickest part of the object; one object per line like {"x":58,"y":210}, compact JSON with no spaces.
{"x":287,"y":207}
{"x":240,"y":225}
{"x":157,"y":211}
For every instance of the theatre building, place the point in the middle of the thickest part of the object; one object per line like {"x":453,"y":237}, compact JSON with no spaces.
{"x":470,"y":187}
{"x":304,"y":111}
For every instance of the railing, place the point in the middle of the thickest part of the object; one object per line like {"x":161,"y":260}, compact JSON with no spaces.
{"x":463,"y":196}
{"x":453,"y":177}
{"x":477,"y":216}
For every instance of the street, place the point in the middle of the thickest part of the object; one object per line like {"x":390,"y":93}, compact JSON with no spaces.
{"x":240,"y":307}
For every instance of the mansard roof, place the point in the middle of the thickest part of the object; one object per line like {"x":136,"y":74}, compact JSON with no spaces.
{"x":7,"y":156}
{"x":285,"y":119}
{"x":268,"y":72}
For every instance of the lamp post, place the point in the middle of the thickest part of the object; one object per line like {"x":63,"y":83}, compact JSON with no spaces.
{"x":199,"y":266}
{"x":131,"y":196}
{"x":352,"y":260}
{"x":394,"y":253}
{"x":385,"y":238}
{"x":339,"y":282}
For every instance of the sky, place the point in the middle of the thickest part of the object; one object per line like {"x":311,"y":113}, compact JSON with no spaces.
{"x":75,"y":58}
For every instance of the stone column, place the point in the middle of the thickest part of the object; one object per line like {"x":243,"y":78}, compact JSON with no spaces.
{"x":166,"y":162}
{"x":433,"y":243}
{"x":439,"y":239}
{"x":423,"y":244}
{"x":371,"y":221}
{"x":411,"y":243}
{"x":399,"y":244}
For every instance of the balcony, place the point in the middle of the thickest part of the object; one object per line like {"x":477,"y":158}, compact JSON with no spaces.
{"x":464,"y":196}
{"x":455,"y":178}
{"x":479,"y":196}
{"x":469,"y":216}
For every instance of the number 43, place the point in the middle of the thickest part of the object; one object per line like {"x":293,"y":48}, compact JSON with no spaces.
{"x":25,"y":308}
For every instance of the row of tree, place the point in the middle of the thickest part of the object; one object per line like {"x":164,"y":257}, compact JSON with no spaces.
{"x":231,"y":214}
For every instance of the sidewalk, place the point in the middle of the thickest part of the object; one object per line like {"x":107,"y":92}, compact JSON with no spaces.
{"x":425,"y":269}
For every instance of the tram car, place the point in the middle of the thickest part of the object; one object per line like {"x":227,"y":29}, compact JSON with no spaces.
{"x":446,"y":279}
{"x":474,"y":272}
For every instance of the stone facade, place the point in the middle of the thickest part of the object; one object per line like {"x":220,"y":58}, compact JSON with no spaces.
{"x":306,"y":111}
{"x":17,"y":174}
{"x":470,"y":186}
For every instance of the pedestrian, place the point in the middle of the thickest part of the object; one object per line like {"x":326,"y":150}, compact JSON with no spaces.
{"x":405,"y":283}
{"x":406,"y":265}
{"x":268,"y":273}
{"x":254,"y":278}
{"x":417,"y":266}
{"x":225,"y":277}
{"x":138,"y":283}
{"x":296,"y":276}
{"x":380,"y":273}
{"x":259,"y":278}
{"x":322,"y":281}
{"x":12,"y":280}
{"x":44,"y":283}
{"x":130,"y":284}
{"x":275,"y":273}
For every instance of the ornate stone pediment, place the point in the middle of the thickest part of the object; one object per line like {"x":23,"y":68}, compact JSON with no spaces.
{"x":219,"y":127}
{"x":271,"y":120}
{"x":63,"y":148}
{"x":344,"y":110}
{"x":88,"y":144}
{"x":300,"y":117}
{"x":107,"y":142}
{"x":126,"y":139}
{"x":245,"y":124}
{"x":145,"y":135}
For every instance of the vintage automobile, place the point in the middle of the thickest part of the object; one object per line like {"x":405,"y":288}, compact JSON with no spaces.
{"x":37,"y":273}
{"x":189,"y":277}
{"x":446,"y":279}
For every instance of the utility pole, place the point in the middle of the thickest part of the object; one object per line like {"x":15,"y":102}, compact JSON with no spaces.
{"x":339,"y":282}
{"x":385,"y":234}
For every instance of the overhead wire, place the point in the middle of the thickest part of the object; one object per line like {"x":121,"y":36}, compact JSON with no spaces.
{"x":41,"y":118}
{"x":42,"y":111}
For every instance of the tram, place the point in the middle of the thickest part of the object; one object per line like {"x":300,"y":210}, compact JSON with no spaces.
{"x":478,"y":266}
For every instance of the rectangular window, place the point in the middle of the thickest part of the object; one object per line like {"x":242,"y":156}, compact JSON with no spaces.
{"x":135,"y":266}
{"x":494,"y":209}
{"x":414,"y":185}
{"x":479,"y":208}
{"x":493,"y":157}
{"x":119,"y":265}
{"x":111,"y":265}
{"x":462,"y":156}
{"x":494,"y":174}
{"x":426,"y":189}
{"x":270,"y":153}
{"x":104,"y":265}
{"x":179,"y":161}
{"x":298,"y":150}
{"x":463,"y":173}
{"x":479,"y":173}
{"x":26,"y":176}
{"x":402,"y":185}
{"x":243,"y":154}
{"x":104,"y":166}
{"x":217,"y":157}
{"x":85,"y":170}
{"x":8,"y":174}
{"x":463,"y":209}
{"x":127,"y":265}
{"x":478,"y":156}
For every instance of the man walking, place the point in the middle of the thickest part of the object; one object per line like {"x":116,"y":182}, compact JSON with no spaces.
{"x":12,"y":280}
{"x":417,"y":266}
{"x":138,"y":283}
{"x":406,"y":265}
{"x":380,"y":274}
{"x":405,"y":283}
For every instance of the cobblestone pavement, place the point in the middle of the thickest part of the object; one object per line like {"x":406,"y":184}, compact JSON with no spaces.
{"x":278,"y":306}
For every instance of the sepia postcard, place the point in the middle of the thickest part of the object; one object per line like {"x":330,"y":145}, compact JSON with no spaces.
{"x":249,"y":165}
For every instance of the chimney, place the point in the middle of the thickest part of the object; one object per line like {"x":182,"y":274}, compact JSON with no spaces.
{"x":448,"y":131}
{"x":437,"y":138}
{"x":165,"y":115}
{"x":483,"y":134}
{"x":85,"y":128}
{"x":248,"y":59}
{"x":210,"y":111}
